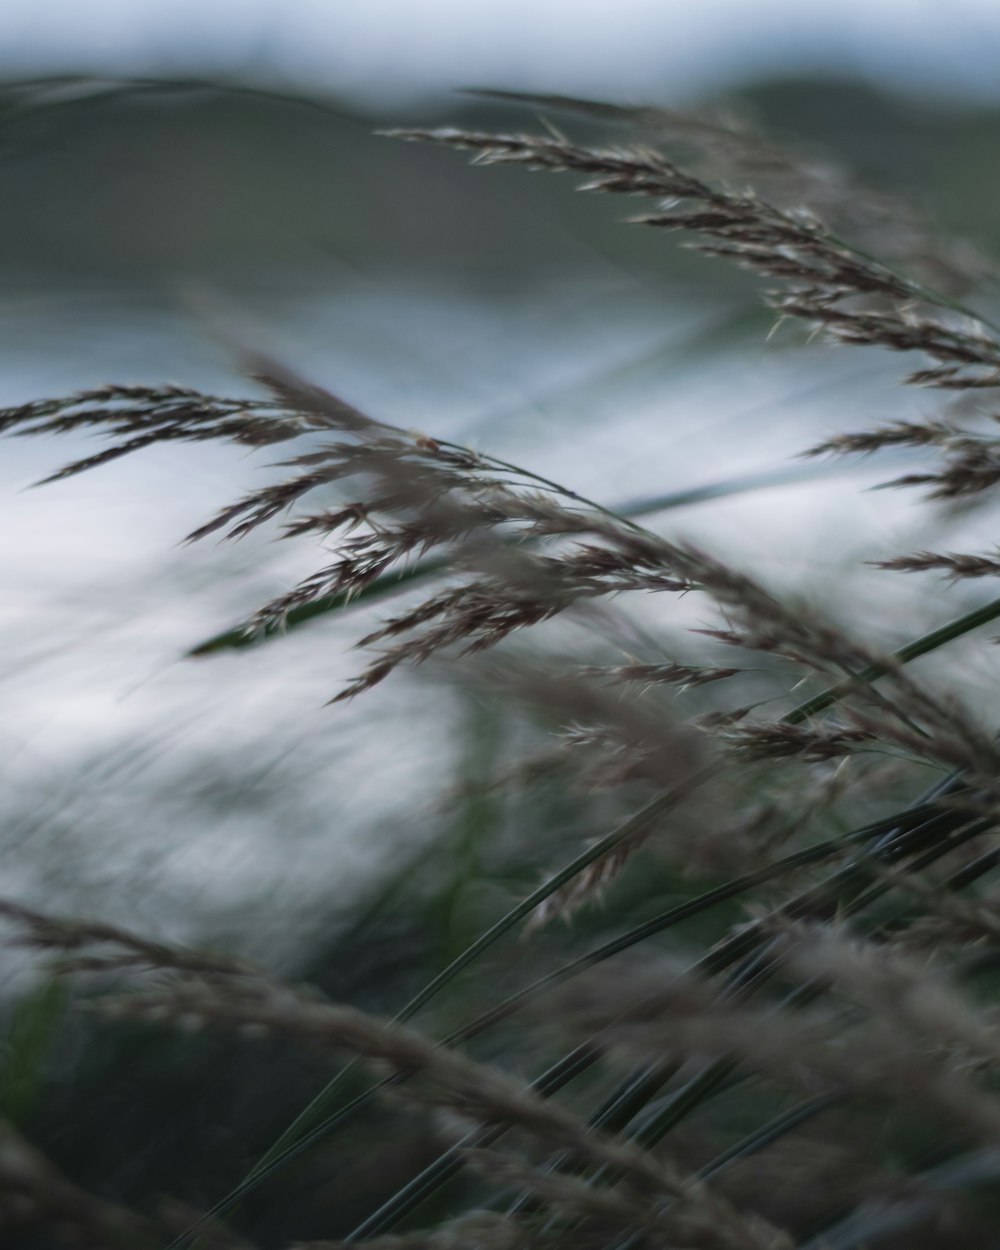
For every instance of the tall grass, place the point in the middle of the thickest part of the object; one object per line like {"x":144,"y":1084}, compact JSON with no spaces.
{"x":823,"y":1072}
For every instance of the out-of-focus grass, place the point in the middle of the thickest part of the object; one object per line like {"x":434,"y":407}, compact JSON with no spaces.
{"x":196,"y":159}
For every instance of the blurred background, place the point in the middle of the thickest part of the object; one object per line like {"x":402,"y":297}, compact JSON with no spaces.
{"x":181,"y":180}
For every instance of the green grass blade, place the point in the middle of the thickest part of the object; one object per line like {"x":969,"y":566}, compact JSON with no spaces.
{"x":634,"y":825}
{"x":408,"y":1198}
{"x":312,"y":1122}
{"x":911,"y":651}
{"x":769,"y":1133}
{"x":874,"y":1221}
{"x":630,"y":1096}
{"x":706,"y":1083}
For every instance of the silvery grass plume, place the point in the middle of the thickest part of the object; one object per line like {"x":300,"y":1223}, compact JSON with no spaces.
{"x":632,"y":738}
{"x":34,"y":1195}
{"x":37,"y":1199}
{"x":895,"y":1035}
{"x":723,"y":146}
{"x":442,"y":1078}
{"x":520,"y":555}
{"x":522,"y":551}
{"x":895,"y":1028}
{"x":477,"y":1230}
{"x":823,"y":280}
{"x":212,"y":991}
{"x":96,"y":946}
{"x":418,"y":495}
{"x":952,"y":925}
{"x":954,"y":564}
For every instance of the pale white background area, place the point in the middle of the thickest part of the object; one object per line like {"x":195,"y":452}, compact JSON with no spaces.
{"x":384,"y":48}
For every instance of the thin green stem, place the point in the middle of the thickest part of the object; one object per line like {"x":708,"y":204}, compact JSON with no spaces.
{"x":911,"y":651}
{"x":635,"y":825}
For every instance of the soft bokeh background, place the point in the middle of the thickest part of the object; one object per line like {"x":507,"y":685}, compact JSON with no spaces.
{"x":180,"y":180}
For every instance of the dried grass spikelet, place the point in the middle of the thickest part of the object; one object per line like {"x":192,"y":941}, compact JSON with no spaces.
{"x":417,"y":494}
{"x":644,"y":740}
{"x":759,"y":621}
{"x":956,"y":565}
{"x":970,"y":459}
{"x":442,"y":1078}
{"x":609,"y":739}
{"x":854,"y":298}
{"x":891,"y":1053}
{"x":508,"y":589}
{"x":618,"y":1209}
{"x":588,"y":885}
{"x":822,"y":276}
{"x":683,"y":676}
{"x":95,"y":946}
{"x":967,"y":472}
{"x":950,"y":925}
{"x":595,"y":1214}
{"x":935,"y":728}
{"x":905,"y":714}
{"x":785,"y":741}
{"x":892,"y":434}
{"x":33,"y":1193}
{"x":725,"y":147}
{"x":475,"y":1230}
{"x":490,"y":607}
{"x":911,"y":996}
{"x":751,"y":830}
{"x":136,"y":417}
{"x":420,"y":495}
{"x":902,"y":714}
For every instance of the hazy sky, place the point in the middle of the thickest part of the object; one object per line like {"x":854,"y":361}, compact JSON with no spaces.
{"x":622,"y":48}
